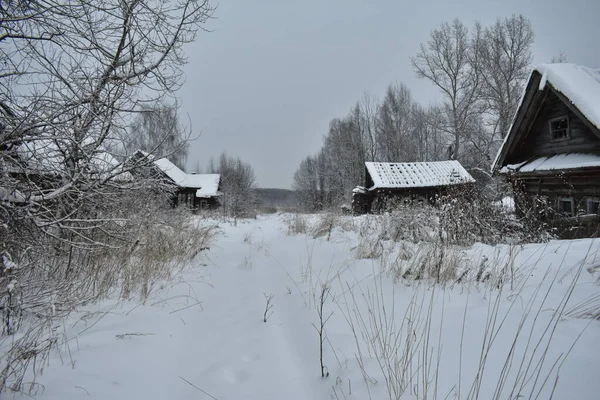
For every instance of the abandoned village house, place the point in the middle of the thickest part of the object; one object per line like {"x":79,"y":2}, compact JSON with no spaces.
{"x":551,"y":155}
{"x":389,"y":183}
{"x":196,"y":191}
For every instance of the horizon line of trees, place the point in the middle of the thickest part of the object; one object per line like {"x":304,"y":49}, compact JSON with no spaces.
{"x":480,"y":73}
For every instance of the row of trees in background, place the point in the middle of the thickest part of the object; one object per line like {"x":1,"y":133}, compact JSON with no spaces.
{"x":480,"y":73}
{"x":238,"y":182}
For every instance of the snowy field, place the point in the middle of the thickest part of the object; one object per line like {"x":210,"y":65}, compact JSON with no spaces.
{"x":509,"y":322}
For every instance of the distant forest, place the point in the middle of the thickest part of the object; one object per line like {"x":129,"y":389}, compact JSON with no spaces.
{"x":276,"y":198}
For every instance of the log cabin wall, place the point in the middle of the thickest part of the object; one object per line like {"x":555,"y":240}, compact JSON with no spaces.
{"x":539,"y":141}
{"x":580,"y":187}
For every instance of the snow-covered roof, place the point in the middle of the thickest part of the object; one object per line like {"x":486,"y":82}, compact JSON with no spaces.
{"x":556,"y":162}
{"x":207,"y":185}
{"x":417,"y":174}
{"x":172,"y":171}
{"x":579,"y":84}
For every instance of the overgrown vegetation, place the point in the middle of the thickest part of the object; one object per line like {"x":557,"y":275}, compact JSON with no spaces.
{"x":78,"y":224}
{"x":44,"y":278}
{"x":409,"y":349}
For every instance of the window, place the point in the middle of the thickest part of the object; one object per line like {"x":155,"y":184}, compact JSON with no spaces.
{"x":593,"y":206}
{"x":559,"y":128}
{"x":565,"y":206}
{"x":203,"y":204}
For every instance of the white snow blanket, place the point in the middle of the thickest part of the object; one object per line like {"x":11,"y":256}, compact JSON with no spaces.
{"x":203,"y":336}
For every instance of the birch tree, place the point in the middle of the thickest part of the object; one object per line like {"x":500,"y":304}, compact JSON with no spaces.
{"x":449,"y":60}
{"x":395,"y":125}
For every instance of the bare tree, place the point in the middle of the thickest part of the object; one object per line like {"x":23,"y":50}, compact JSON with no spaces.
{"x":306,"y":183}
{"x":157,"y":130}
{"x":504,"y":63}
{"x":368,"y":110}
{"x":560,"y":58}
{"x":77,"y":72}
{"x":449,"y":60}
{"x":73,"y":74}
{"x":395,"y":127}
{"x":438,"y":138}
{"x":237,"y":183}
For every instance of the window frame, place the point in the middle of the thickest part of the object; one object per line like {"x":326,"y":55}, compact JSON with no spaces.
{"x":568,"y":130}
{"x":589,"y":201}
{"x":565,"y":199}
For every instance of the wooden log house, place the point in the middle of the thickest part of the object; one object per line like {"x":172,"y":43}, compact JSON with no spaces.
{"x":196,"y":191}
{"x":551,"y":154}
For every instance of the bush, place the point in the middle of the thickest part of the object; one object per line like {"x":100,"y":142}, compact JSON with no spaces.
{"x":45,"y":276}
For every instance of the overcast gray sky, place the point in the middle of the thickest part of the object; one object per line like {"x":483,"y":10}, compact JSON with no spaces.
{"x":264,"y":84}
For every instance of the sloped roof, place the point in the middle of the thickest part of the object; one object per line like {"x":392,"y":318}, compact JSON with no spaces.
{"x":556,"y":162}
{"x":417,"y":174}
{"x":207,"y":185}
{"x":580,"y":85}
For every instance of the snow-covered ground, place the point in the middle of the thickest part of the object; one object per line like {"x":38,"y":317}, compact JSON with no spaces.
{"x":203,"y":336}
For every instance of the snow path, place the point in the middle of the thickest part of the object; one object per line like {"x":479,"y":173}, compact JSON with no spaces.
{"x":221,"y":346}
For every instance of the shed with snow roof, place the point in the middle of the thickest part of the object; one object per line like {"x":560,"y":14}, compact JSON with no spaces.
{"x":197,"y":191}
{"x":551,"y":154}
{"x":416,"y":181}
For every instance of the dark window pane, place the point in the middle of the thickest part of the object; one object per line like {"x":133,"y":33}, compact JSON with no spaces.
{"x":559,"y":128}
{"x":565,"y":207}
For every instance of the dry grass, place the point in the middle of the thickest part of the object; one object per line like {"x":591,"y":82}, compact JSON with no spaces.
{"x":297,"y":223}
{"x":402,"y":344}
{"x":52,"y":280}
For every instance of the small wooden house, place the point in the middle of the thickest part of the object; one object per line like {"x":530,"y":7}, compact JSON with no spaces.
{"x":197,"y":191}
{"x":388,"y":183}
{"x":551,"y":155}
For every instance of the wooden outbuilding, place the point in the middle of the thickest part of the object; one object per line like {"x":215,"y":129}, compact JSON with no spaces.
{"x":196,"y":191}
{"x":389,"y":183}
{"x":551,"y":155}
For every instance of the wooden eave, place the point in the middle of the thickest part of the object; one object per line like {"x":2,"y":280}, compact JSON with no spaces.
{"x":583,"y":171}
